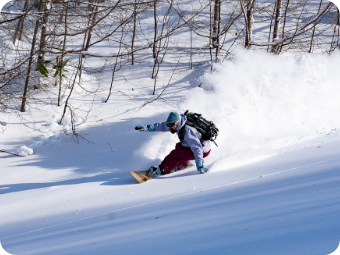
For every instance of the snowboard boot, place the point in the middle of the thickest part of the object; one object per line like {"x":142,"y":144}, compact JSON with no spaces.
{"x":155,"y":172}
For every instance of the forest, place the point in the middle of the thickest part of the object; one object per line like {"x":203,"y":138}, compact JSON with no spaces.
{"x":47,"y":45}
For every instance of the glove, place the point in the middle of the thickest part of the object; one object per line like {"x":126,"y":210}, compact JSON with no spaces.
{"x":200,"y":167}
{"x":141,"y":128}
{"x":148,"y":128}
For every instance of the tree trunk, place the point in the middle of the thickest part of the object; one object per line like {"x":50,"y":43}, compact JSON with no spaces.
{"x":30,"y":62}
{"x":154,"y":53}
{"x":210,"y":39}
{"x":311,"y":41}
{"x":246,"y":43}
{"x":72,"y":87}
{"x":216,"y":26}
{"x":115,"y":69}
{"x":43,"y":34}
{"x":190,"y":64}
{"x":338,"y":25}
{"x":20,"y":25}
{"x":94,"y":16}
{"x":277,"y":20}
{"x":276,"y":23}
{"x":284,"y":26}
{"x":270,"y":27}
{"x":250,"y":21}
{"x":133,"y":32}
{"x":62,"y":54}
{"x":333,"y":39}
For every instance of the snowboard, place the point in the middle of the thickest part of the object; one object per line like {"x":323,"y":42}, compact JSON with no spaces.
{"x":142,"y":176}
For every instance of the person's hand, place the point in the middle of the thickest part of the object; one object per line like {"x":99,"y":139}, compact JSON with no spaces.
{"x":146,"y":128}
{"x":200,"y":167}
{"x":141,"y":128}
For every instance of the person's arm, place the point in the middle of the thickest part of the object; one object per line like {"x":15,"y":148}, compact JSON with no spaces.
{"x":158,"y":127}
{"x":161,"y":127}
{"x":192,"y":139}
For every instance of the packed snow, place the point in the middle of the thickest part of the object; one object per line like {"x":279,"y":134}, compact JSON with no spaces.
{"x":24,"y":151}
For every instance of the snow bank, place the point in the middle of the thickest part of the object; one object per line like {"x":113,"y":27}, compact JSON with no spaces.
{"x":24,"y":151}
{"x":52,"y":131}
{"x":261,"y":102}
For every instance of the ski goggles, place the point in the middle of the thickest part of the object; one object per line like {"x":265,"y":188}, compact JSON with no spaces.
{"x":170,"y":124}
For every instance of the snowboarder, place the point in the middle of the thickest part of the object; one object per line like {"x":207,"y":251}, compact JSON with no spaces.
{"x":189,"y":148}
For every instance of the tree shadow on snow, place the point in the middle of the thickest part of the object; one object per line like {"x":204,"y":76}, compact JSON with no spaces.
{"x":108,"y":157}
{"x":106,"y":179}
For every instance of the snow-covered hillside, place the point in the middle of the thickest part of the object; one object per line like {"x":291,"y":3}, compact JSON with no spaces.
{"x":273,"y":183}
{"x":288,"y":204}
{"x":272,"y":188}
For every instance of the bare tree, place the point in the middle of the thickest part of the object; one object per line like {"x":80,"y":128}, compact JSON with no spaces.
{"x":43,"y":36}
{"x":276,"y":23}
{"x":284,"y":24}
{"x":92,"y":19}
{"x":162,"y":45}
{"x":155,"y":29}
{"x":335,"y":40}
{"x":246,"y":22}
{"x":133,"y":32}
{"x":30,"y":62}
{"x":216,"y":27}
{"x":20,"y":25}
{"x":250,"y":21}
{"x":116,"y":67}
{"x":61,"y":62}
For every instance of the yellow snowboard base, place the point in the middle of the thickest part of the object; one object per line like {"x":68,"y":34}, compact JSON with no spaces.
{"x":140,"y":176}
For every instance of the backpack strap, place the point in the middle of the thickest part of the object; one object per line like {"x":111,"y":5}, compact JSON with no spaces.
{"x":181,"y":134}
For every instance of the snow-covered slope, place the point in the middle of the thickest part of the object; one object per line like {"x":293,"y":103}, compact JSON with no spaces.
{"x":287,"y":204}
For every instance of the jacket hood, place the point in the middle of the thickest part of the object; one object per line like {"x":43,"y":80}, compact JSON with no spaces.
{"x":182,"y":120}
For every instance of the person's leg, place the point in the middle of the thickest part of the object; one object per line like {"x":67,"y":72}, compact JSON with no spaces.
{"x":179,"y":156}
{"x":184,"y":163}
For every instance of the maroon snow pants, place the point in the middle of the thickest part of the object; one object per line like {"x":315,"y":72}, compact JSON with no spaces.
{"x":179,"y":157}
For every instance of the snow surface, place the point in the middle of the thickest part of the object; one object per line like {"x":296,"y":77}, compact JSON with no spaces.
{"x":24,"y":151}
{"x":273,"y":183}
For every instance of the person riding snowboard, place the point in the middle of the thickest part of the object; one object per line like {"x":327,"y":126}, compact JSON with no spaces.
{"x":189,"y":148}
